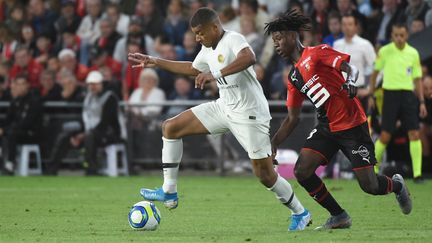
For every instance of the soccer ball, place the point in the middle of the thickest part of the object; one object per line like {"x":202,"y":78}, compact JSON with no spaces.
{"x":144,"y":215}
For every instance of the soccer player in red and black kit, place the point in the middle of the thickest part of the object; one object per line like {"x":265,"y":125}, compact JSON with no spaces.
{"x":317,"y":75}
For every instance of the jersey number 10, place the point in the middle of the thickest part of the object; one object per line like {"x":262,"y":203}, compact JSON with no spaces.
{"x":318,"y":98}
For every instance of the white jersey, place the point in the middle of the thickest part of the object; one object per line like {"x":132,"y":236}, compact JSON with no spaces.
{"x":241,"y":94}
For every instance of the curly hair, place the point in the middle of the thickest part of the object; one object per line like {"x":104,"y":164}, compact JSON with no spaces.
{"x":291,"y":20}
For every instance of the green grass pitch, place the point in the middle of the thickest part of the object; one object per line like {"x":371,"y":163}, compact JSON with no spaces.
{"x":211,"y":209}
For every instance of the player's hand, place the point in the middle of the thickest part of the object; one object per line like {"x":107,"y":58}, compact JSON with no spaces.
{"x":274,"y":153}
{"x":141,"y":60}
{"x":423,"y":110}
{"x":350,"y":88}
{"x":203,"y":78}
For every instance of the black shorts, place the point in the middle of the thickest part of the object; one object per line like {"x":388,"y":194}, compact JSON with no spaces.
{"x":355,"y":143}
{"x":401,"y":105}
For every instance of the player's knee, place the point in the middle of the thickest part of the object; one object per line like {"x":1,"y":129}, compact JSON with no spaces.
{"x":370,"y":188}
{"x":300,"y":173}
{"x":169,"y":129}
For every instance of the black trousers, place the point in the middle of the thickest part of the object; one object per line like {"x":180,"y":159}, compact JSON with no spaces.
{"x":11,"y":139}
{"x":93,"y":140}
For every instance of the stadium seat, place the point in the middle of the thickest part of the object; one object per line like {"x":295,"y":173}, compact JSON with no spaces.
{"x":112,"y":166}
{"x":23,"y":168}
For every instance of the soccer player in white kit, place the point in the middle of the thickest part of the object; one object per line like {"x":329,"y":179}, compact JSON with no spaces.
{"x":225,"y":58}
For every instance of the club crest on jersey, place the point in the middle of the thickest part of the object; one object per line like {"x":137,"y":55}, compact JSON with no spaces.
{"x":305,"y":63}
{"x":221,"y":58}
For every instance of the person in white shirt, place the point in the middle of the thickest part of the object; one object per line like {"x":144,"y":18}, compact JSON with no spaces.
{"x":147,"y":92}
{"x":225,"y":58}
{"x":362,"y":54}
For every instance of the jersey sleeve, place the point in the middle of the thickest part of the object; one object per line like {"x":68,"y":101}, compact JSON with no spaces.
{"x":200,"y":62}
{"x":294,"y":97}
{"x":330,"y":57}
{"x":237,"y":43}
{"x":417,"y":69}
{"x":379,"y":61}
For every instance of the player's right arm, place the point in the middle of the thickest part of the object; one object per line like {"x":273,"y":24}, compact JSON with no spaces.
{"x":178,"y":67}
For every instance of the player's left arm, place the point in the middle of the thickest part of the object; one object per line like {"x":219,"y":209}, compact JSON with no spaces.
{"x":244,"y":59}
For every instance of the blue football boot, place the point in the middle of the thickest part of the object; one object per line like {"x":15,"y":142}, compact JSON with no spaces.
{"x":170,"y":200}
{"x":300,"y":221}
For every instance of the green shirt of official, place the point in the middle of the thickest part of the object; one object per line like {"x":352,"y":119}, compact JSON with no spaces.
{"x":400,"y":67}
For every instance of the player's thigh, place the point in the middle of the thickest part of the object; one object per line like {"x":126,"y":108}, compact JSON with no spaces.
{"x":184,"y":124}
{"x":390,"y":110}
{"x":410,"y":111}
{"x":254,"y":137}
{"x":358,"y":146}
{"x":318,"y":149}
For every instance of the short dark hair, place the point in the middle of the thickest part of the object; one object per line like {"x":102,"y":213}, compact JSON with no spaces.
{"x":289,"y":21}
{"x":203,"y":16}
{"x":400,"y":25}
{"x":356,"y":21}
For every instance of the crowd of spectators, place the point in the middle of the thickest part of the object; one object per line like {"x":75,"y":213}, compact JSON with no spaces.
{"x":54,"y":45}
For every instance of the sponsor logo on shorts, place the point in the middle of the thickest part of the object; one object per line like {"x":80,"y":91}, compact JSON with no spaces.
{"x":363,"y":152}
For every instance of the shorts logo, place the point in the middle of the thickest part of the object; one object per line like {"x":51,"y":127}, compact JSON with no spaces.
{"x":363,"y":152}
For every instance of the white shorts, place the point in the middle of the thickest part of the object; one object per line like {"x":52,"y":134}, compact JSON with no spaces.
{"x":253,"y":136}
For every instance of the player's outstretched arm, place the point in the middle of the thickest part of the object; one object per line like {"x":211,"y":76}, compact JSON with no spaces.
{"x":286,"y":128}
{"x":178,"y":67}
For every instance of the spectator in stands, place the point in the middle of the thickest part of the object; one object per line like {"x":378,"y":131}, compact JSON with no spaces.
{"x":8,"y":43}
{"x":50,"y":89}
{"x":428,"y":16}
{"x":417,"y":25}
{"x":42,"y":19}
{"x":121,"y":20}
{"x":68,"y":18}
{"x":108,"y":37}
{"x":229,"y":19}
{"x":319,"y":19}
{"x":400,"y":64}
{"x":16,"y":19}
{"x":131,"y":76}
{"x":28,"y":38}
{"x":152,"y":20}
{"x":347,"y":7}
{"x":391,"y":13}
{"x":53,"y":64}
{"x":362,"y":55}
{"x":68,"y":61}
{"x":250,"y":8}
{"x":190,"y":48}
{"x":184,"y":90}
{"x":100,"y":57}
{"x":44,"y":49}
{"x":167,"y":51}
{"x":135,"y":35}
{"x":416,"y":9}
{"x":23,"y":121}
{"x":148,"y":91}
{"x":100,"y":126}
{"x":68,"y":40}
{"x":176,"y":24}
{"x":426,"y":124}
{"x":111,"y":82}
{"x":71,"y":90}
{"x":250,"y":32}
{"x":25,"y":65}
{"x":89,"y":30}
{"x":278,"y":84}
{"x":334,"y":25}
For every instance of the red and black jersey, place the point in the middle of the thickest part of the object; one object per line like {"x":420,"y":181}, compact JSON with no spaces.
{"x":317,"y":76}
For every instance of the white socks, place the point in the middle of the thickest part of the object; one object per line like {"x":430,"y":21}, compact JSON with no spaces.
{"x":172,"y":153}
{"x":285,"y":194}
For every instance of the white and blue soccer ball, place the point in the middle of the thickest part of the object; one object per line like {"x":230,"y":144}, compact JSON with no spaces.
{"x":144,"y":215}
